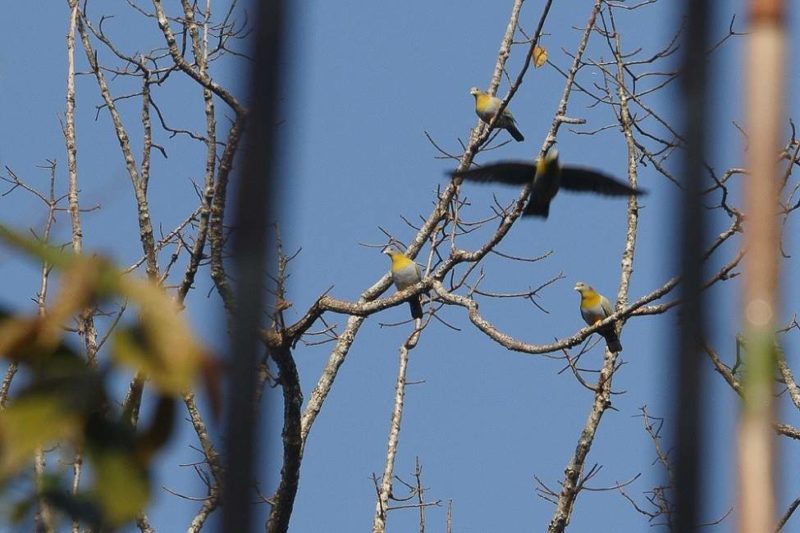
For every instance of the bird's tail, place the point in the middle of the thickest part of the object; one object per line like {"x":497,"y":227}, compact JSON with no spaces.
{"x":538,"y":206}
{"x":416,"y":306}
{"x":512,"y":129}
{"x":612,"y":339}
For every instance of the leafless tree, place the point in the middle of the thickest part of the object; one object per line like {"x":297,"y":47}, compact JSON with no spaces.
{"x":182,"y":47}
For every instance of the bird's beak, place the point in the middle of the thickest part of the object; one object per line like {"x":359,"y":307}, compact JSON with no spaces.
{"x":576,"y":288}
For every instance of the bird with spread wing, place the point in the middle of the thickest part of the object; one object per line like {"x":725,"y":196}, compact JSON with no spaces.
{"x":548,"y":176}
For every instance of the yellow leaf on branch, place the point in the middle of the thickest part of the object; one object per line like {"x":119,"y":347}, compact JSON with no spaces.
{"x":539,"y":56}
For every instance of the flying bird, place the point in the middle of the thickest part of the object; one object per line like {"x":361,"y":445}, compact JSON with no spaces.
{"x":486,"y":107}
{"x":548,"y":176}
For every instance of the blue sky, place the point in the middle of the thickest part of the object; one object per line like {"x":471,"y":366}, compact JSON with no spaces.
{"x":365,"y":81}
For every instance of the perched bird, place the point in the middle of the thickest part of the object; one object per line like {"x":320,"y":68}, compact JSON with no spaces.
{"x":548,"y":176}
{"x":486,"y":107}
{"x":594,"y":308}
{"x":405,"y":273}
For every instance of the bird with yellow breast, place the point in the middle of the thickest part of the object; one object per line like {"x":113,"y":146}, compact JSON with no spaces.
{"x":486,"y":107}
{"x":594,"y":308}
{"x":405,"y":273}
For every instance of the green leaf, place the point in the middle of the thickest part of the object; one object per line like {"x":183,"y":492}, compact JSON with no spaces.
{"x":122,"y":487}
{"x":34,"y":422}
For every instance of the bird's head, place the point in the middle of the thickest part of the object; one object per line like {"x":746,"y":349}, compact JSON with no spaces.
{"x":548,"y":162}
{"x":582,"y":287}
{"x":391,"y":250}
{"x":474,"y":91}
{"x":551,"y":156}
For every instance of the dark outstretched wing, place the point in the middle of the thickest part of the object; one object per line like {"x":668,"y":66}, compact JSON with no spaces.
{"x":582,"y":179}
{"x":510,"y":172}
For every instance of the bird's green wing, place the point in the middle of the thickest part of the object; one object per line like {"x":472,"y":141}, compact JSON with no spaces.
{"x":582,"y":179}
{"x":510,"y":172}
{"x":607,"y":309}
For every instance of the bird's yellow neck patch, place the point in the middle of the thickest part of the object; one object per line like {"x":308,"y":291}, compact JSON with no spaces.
{"x":400,"y":261}
{"x":590,"y":299}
